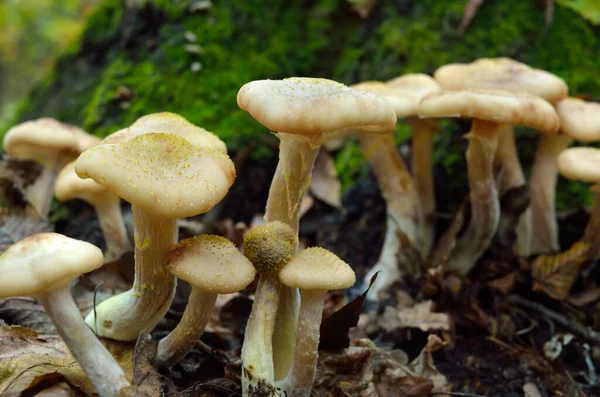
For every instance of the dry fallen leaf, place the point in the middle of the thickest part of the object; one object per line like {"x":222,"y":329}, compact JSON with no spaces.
{"x":25,"y":311}
{"x":325,"y":184}
{"x":423,"y":365}
{"x":16,"y":227}
{"x":421,"y":316}
{"x":504,"y":284}
{"x":405,"y":386}
{"x":345,"y":374}
{"x":62,"y":389}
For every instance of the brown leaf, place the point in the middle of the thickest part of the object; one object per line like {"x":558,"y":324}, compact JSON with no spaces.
{"x":504,"y":284}
{"x":424,"y":365}
{"x":325,"y":184}
{"x":15,"y":177}
{"x":405,"y":386}
{"x":421,"y":316}
{"x":347,"y":374}
{"x":25,"y":311}
{"x":555,"y":274}
{"x":590,"y":294}
{"x":145,"y":377}
{"x":16,"y":227}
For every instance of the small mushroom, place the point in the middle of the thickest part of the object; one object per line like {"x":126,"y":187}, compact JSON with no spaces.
{"x":315,"y":271}
{"x":164,"y":177}
{"x":107,"y":205}
{"x":43,"y":266}
{"x":212,"y":265}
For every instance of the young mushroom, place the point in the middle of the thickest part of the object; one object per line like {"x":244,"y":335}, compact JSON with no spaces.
{"x":164,"y":177}
{"x":302,"y":112}
{"x":43,"y":266}
{"x":315,"y":271}
{"x":107,"y":205}
{"x":212,"y":265}
{"x":488,"y":109}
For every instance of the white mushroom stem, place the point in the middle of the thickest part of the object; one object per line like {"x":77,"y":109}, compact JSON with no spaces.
{"x":40,"y":193}
{"x":544,"y":174}
{"x":125,"y":316}
{"x":485,"y":206}
{"x":258,"y":372}
{"x":300,"y":380}
{"x":113,"y":226}
{"x":297,"y":156}
{"x":182,"y":339}
{"x":100,"y":367}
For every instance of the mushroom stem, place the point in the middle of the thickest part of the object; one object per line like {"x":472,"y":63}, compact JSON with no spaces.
{"x":422,"y":165}
{"x":591,"y":234}
{"x":113,"y":227}
{"x":126,"y":315}
{"x":300,"y":380}
{"x":101,"y":368}
{"x":485,"y":207}
{"x":544,"y":174}
{"x":182,"y":339}
{"x":258,"y":373}
{"x":40,"y":193}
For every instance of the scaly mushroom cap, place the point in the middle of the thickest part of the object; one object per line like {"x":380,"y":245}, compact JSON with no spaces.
{"x":270,"y":246}
{"x":162,"y":173}
{"x":317,"y":268}
{"x":579,"y":119}
{"x":501,"y":107}
{"x":312,"y":107}
{"x":580,"y":164}
{"x":170,"y":123}
{"x":502,"y":73}
{"x":412,"y":88}
{"x":70,"y":186}
{"x":210,"y":263}
{"x":45,"y":261}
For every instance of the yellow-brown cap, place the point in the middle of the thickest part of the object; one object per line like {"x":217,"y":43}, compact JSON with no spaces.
{"x":579,"y":119}
{"x":580,"y":164}
{"x":502,"y":107}
{"x":412,"y":88}
{"x":210,"y":263}
{"x":162,"y":173}
{"x":270,"y":246}
{"x":317,"y":268}
{"x":504,"y":74}
{"x":43,"y":262}
{"x":70,"y":186}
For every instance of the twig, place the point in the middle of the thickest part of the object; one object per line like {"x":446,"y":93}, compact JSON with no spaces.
{"x":592,"y":376}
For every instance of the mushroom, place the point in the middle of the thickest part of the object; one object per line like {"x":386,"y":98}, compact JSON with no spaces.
{"x":44,"y":265}
{"x":510,"y":75}
{"x":268,"y":247}
{"x":164,"y":177}
{"x":488,"y":109}
{"x":579,"y":120}
{"x":212,"y":265}
{"x":107,"y":205}
{"x":315,"y":271}
{"x":51,"y":144}
{"x":303,"y":111}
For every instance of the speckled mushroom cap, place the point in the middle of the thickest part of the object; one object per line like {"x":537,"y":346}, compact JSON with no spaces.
{"x":580,"y":164}
{"x":163,"y":174}
{"x":504,"y":74}
{"x":270,"y":246}
{"x":313,"y":107}
{"x":170,"y":123}
{"x":211,"y":263}
{"x":502,"y":107}
{"x":44,"y":140}
{"x":70,"y":186}
{"x":579,"y":119}
{"x":43,"y":262}
{"x":317,"y":268}
{"x":412,"y":88}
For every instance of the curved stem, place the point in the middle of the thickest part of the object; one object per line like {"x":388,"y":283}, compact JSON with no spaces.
{"x":113,"y":227}
{"x":126,"y":315}
{"x":182,"y":339}
{"x":40,"y":193}
{"x":101,"y":368}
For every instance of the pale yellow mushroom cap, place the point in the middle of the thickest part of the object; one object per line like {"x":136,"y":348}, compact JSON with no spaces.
{"x":170,"y":123}
{"x":317,"y":268}
{"x":504,"y":74}
{"x":162,"y":173}
{"x":412,"y":88}
{"x":270,"y":246}
{"x":580,"y":164}
{"x":502,"y":107}
{"x":313,"y":107}
{"x":579,"y":119}
{"x":211,"y":263}
{"x":70,"y":186}
{"x":43,"y":262}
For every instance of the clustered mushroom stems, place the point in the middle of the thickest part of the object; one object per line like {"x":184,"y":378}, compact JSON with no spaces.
{"x":99,"y":365}
{"x":112,"y":224}
{"x":40,"y":193}
{"x":123,"y":316}
{"x":544,"y":174}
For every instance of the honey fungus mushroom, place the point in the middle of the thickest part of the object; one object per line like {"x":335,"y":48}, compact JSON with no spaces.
{"x":164,"y":177}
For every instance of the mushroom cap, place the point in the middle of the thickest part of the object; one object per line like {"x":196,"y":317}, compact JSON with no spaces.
{"x":579,"y":119}
{"x":412,"y":88}
{"x":313,"y":107}
{"x":317,"y":268}
{"x":270,"y":246}
{"x":580,"y":164}
{"x":46,"y":141}
{"x":502,"y":107}
{"x":45,"y":261}
{"x":504,"y":74}
{"x":170,"y":123}
{"x":210,"y":263}
{"x":161,"y":173}
{"x":70,"y":186}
